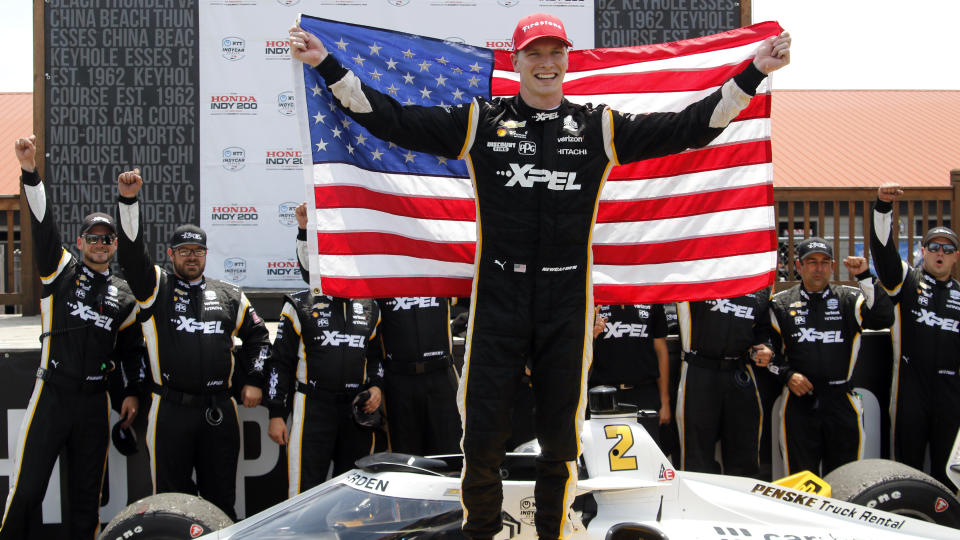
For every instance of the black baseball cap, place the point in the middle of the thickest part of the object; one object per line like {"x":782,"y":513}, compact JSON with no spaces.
{"x":813,"y":245}
{"x":941,"y":231}
{"x":98,"y":218}
{"x":188,"y":234}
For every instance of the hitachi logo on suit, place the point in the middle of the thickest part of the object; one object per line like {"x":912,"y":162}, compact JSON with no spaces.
{"x":526,"y":176}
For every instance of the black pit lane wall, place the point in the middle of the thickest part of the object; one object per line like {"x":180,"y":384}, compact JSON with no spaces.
{"x":262,"y":480}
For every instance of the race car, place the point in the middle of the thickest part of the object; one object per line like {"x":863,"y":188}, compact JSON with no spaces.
{"x":627,"y":490}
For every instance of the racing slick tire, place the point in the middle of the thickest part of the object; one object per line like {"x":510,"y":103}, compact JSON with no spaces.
{"x":166,"y":516}
{"x":897,"y":488}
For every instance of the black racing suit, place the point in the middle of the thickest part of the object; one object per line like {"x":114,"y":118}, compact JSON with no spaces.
{"x":624,"y":356}
{"x":189,"y":330}
{"x":322,"y":358}
{"x":818,"y":335}
{"x":925,"y":392}
{"x":87,"y":324}
{"x":537,"y":177}
{"x":718,"y":399}
{"x":421,"y":382}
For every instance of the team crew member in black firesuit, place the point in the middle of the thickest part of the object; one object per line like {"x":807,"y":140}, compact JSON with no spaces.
{"x":817,"y":329}
{"x":925,"y":397}
{"x":323,"y":361}
{"x":718,"y":399}
{"x":88,"y":317}
{"x":420,"y":380}
{"x":536,"y":201}
{"x":324,"y":357}
{"x":630,"y":354}
{"x":189,"y":323}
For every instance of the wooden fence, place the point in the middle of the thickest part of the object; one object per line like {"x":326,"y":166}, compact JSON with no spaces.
{"x":836,"y":214}
{"x":19,"y":285}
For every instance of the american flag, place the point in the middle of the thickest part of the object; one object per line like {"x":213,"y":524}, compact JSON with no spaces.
{"x":392,"y":222}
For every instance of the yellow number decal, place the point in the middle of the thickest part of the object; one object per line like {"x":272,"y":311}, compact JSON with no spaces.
{"x":624,"y":436}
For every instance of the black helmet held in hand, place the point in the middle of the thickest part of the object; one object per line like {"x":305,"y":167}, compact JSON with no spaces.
{"x":363,"y":418}
{"x":124,"y":439}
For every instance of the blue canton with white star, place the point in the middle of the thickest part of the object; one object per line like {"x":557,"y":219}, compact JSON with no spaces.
{"x":414,"y":70}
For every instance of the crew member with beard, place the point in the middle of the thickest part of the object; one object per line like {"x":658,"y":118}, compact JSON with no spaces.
{"x":189,"y":323}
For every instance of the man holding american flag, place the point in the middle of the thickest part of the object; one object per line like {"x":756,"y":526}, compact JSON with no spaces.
{"x":537,"y":163}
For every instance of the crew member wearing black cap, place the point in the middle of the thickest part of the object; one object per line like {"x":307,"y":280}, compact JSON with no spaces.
{"x":537,"y":162}
{"x":189,"y":323}
{"x":718,"y":399}
{"x":925,"y":395}
{"x":88,"y":317}
{"x":817,"y":331}
{"x":630,"y":354}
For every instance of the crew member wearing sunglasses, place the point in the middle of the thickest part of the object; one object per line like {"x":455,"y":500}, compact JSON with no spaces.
{"x":189,"y":323}
{"x":88,"y":315}
{"x":925,"y":395}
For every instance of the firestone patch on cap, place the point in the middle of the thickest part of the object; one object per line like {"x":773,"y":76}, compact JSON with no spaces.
{"x":536,"y":26}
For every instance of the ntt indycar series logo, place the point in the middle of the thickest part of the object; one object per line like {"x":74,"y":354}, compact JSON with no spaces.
{"x":234,"y":214}
{"x":233,"y":158}
{"x":287,"y":213}
{"x":282,"y":270}
{"x":235,"y":269}
{"x":286,"y":105}
{"x":233,"y":48}
{"x":233,"y":104}
{"x":276,"y":49}
{"x":283,"y":159}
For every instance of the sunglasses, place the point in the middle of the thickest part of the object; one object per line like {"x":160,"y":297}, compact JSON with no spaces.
{"x":934,"y":247}
{"x":185,"y":252}
{"x":94,"y":239}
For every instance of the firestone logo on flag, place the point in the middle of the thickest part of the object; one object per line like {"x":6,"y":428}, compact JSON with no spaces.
{"x":235,"y":269}
{"x":233,"y":48}
{"x":233,"y":158}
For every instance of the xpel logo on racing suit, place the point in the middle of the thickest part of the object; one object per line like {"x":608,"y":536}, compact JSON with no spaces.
{"x":526,"y":176}
{"x":812,"y":334}
{"x":191,"y":325}
{"x":87,"y":314}
{"x":617,"y":329}
{"x":930,"y":318}
{"x":415,"y":301}
{"x":725,"y":306}
{"x":335,"y":338}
